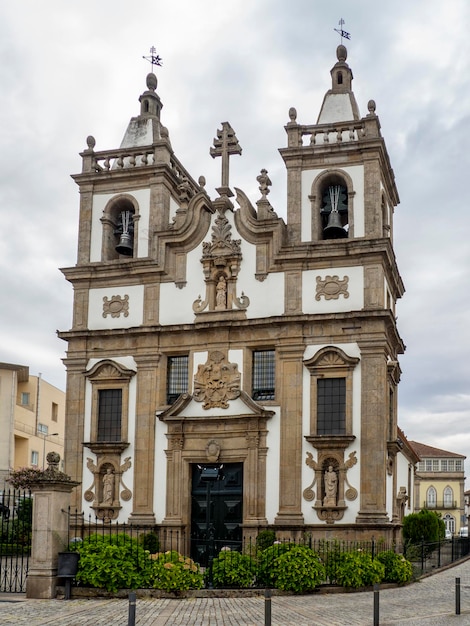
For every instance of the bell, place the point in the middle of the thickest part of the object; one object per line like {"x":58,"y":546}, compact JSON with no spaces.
{"x":334,"y":229}
{"x":125,"y":245}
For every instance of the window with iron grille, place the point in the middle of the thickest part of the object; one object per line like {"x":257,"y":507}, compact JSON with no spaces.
{"x":263,"y":375}
{"x":331,"y":406}
{"x":109,"y":414}
{"x":177,"y":377}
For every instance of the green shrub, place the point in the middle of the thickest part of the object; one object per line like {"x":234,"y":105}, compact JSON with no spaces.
{"x":298,"y":569}
{"x":424,"y":526}
{"x":232,"y":569}
{"x":112,"y":562}
{"x":265,"y":573}
{"x":265,"y":539}
{"x":173,"y":572}
{"x":397,"y":568}
{"x":150,"y":542}
{"x":358,"y":569}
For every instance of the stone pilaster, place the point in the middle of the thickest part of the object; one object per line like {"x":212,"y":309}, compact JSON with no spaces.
{"x":290,"y":470}
{"x":374,"y":427}
{"x":144,"y":445}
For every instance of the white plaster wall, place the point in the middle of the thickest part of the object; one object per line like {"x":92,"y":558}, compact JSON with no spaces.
{"x":100,"y":201}
{"x":355,"y":302}
{"x":136,"y":307}
{"x":176,"y":305}
{"x":353,"y":474}
{"x":356,"y":172}
{"x":174,"y":206}
{"x":128,"y":476}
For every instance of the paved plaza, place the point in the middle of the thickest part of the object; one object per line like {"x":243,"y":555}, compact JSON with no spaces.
{"x":426,"y":603}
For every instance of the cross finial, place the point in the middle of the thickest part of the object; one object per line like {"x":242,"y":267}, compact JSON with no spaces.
{"x":342,"y":33}
{"x":154,"y":59}
{"x":225,"y":144}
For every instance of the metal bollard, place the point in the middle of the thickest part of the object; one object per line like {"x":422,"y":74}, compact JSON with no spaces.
{"x":457,"y":596}
{"x":267,"y":607}
{"x":376,"y":605}
{"x":132,"y":603}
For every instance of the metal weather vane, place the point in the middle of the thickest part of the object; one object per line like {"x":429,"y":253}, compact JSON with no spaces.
{"x":341,"y":32}
{"x":154,"y":59}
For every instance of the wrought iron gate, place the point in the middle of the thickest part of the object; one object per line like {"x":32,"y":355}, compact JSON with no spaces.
{"x":216,"y":510}
{"x":15,"y":539}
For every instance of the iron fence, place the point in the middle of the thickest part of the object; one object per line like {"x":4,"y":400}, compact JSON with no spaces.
{"x":15,"y":539}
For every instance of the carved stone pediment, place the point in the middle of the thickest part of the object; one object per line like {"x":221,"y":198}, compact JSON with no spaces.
{"x":109,"y":370}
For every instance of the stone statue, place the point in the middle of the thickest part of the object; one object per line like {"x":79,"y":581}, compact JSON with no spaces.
{"x":331,"y":487}
{"x":221,"y":298}
{"x":108,"y":487}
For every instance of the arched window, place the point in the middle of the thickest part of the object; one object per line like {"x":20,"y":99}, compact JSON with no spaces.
{"x":448,"y":498}
{"x":340,"y":78}
{"x":449,"y":521}
{"x":431,"y":498}
{"x":334,"y":210}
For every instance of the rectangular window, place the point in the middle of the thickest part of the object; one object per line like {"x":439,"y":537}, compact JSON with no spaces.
{"x":428,"y":465}
{"x":177,"y":377}
{"x":34,"y":457}
{"x":43,"y":429}
{"x":263,"y":375}
{"x":24,"y":398}
{"x":54,"y":412}
{"x":435,"y":465}
{"x":331,"y":406}
{"x":451,"y":465}
{"x":458,"y":465}
{"x":109,"y":414}
{"x":444,"y":465}
{"x":421,"y":466}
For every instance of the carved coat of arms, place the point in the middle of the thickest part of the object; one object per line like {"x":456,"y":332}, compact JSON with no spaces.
{"x":216,"y":382}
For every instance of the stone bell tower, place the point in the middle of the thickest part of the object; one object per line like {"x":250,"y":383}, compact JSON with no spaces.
{"x":341,"y":199}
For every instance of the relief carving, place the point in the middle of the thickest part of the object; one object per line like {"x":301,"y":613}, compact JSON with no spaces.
{"x":332,"y":287}
{"x":116,"y":306}
{"x":216,"y":382}
{"x":104,"y":493}
{"x":333,"y":487}
{"x":221,"y":262}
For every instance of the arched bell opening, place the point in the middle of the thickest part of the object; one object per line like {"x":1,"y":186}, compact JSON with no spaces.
{"x":119,"y":222}
{"x":334,"y":210}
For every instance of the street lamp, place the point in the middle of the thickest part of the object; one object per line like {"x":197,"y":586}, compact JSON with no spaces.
{"x":44,"y":437}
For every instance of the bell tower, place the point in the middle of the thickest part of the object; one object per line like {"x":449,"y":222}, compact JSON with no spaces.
{"x":341,"y":196}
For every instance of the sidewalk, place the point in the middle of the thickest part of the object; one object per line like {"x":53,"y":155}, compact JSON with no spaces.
{"x":429,"y":602}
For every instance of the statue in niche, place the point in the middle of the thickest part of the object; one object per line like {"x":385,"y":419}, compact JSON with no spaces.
{"x":108,"y":487}
{"x":331,"y":487}
{"x":221,"y":298}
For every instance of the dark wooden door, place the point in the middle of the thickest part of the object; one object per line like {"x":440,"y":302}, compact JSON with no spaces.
{"x":216,"y":510}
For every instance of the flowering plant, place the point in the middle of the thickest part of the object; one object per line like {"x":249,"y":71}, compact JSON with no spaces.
{"x":24,"y":477}
{"x":172,"y":571}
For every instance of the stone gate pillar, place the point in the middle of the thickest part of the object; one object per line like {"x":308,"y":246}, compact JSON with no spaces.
{"x":51,"y":499}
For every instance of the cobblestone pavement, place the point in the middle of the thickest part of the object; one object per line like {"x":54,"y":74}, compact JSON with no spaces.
{"x":429,"y":602}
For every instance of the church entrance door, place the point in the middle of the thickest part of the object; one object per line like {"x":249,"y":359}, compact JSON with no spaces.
{"x":216,"y":509}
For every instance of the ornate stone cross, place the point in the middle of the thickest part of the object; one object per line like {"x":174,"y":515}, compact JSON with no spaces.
{"x":225,"y":144}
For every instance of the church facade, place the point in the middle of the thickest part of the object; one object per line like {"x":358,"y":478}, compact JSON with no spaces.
{"x":228,"y":369}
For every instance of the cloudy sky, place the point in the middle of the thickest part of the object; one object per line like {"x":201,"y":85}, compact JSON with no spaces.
{"x":69,"y":70}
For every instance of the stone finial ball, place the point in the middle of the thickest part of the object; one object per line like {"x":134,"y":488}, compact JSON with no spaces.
{"x":53,"y":458}
{"x":90,"y":142}
{"x":292,"y":114}
{"x":371,"y":106}
{"x":341,"y":53}
{"x":151,"y":81}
